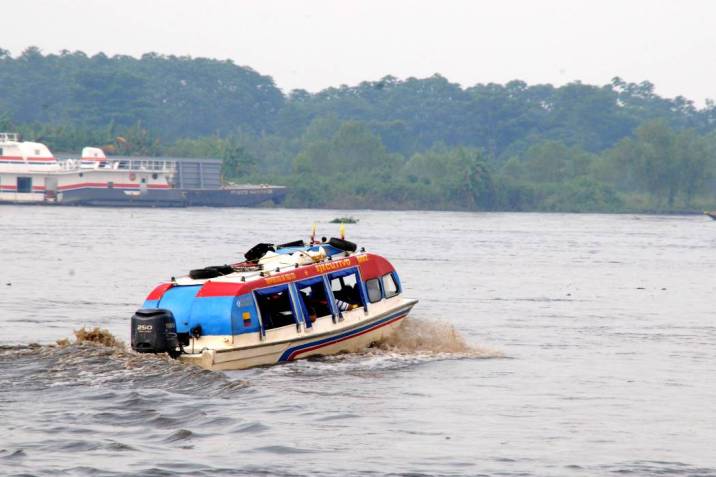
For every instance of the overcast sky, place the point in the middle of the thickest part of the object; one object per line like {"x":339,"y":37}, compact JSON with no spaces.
{"x":315,"y":44}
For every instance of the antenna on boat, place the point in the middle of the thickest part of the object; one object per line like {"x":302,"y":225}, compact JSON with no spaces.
{"x":342,"y":231}
{"x":313,"y":233}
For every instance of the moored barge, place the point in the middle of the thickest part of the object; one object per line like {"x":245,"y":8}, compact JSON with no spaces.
{"x":31,"y":174}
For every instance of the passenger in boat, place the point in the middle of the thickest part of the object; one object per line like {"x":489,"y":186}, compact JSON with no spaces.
{"x":349,"y":295}
{"x":277,"y":311}
{"x":316,"y":302}
{"x":344,"y":306}
{"x":310,"y":308}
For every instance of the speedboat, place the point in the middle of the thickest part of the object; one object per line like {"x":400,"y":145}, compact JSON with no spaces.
{"x":282,"y":303}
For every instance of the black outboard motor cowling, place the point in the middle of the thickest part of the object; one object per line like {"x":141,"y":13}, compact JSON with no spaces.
{"x":154,"y":330}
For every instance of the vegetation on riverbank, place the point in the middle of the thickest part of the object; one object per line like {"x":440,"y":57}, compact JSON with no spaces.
{"x":415,"y":143}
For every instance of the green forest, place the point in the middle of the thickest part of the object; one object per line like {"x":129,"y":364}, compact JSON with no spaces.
{"x":417,"y":143}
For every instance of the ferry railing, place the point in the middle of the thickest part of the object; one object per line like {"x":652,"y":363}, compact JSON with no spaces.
{"x":157,"y":165}
{"x":9,"y":137}
{"x":120,"y":164}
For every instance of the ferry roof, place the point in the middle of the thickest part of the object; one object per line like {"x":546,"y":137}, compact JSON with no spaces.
{"x":239,"y":283}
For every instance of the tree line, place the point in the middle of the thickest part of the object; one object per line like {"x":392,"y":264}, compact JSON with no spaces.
{"x":413,"y":143}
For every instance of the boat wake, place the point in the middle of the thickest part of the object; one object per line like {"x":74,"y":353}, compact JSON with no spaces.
{"x":416,"y":342}
{"x":431,"y":337}
{"x":96,"y":358}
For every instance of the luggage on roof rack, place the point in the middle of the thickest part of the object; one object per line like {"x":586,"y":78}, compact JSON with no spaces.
{"x":295,"y":243}
{"x":342,"y":244}
{"x":258,"y":251}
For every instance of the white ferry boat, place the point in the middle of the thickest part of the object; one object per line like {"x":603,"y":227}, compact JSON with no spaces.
{"x":283,"y":303}
{"x":31,"y":174}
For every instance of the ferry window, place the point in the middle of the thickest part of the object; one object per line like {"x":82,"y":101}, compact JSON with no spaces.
{"x":110,"y":185}
{"x":155,"y":175}
{"x":144,"y":180}
{"x":373,"y":287}
{"x":1,"y":153}
{"x":275,"y":307}
{"x":346,"y":290}
{"x":24,"y":184}
{"x":82,"y":174}
{"x":314,"y":299}
{"x":390,"y":286}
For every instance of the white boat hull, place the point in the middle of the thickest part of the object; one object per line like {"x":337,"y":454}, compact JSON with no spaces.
{"x":355,"y":333}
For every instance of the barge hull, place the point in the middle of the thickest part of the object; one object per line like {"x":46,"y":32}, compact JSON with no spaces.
{"x":118,"y":197}
{"x":123,"y":198}
{"x":234,"y":197}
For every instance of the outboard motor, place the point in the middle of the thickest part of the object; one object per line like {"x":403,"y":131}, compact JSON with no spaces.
{"x":154,"y":330}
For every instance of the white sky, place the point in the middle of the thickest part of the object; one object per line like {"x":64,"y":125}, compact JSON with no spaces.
{"x":319,"y":43}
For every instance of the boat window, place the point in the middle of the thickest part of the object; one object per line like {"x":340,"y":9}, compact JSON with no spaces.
{"x":390,"y":285}
{"x":24,"y":184}
{"x":314,"y":299}
{"x":373,"y":287}
{"x":275,"y":307}
{"x":110,"y":185}
{"x":346,"y":289}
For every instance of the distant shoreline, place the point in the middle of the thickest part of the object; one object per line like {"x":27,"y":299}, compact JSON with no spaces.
{"x":369,"y":209}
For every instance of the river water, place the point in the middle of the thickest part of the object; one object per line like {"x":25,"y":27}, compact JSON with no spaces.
{"x":543,"y":344}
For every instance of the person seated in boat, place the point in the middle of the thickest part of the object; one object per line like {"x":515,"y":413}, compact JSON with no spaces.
{"x":278,"y":310}
{"x":348,"y":294}
{"x":310,"y":306}
{"x":319,"y":301}
{"x":316,"y":302}
{"x":345,"y":306}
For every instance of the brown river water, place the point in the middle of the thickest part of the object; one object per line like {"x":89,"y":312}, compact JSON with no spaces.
{"x":543,"y":345}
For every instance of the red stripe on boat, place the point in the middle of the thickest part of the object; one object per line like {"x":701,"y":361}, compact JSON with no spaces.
{"x":220,"y":289}
{"x":305,"y":350}
{"x":159,"y":291}
{"x":104,"y":185}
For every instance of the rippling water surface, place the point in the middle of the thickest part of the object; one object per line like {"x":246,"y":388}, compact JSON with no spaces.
{"x":546,"y":345}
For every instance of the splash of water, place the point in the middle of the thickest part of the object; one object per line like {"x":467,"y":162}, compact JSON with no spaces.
{"x":416,"y":342}
{"x":432,"y":337}
{"x":97,"y":358}
{"x":94,"y":335}
{"x":99,"y":336}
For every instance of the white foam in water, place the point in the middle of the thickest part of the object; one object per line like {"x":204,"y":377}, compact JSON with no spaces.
{"x":434,"y":338}
{"x":416,"y":341}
